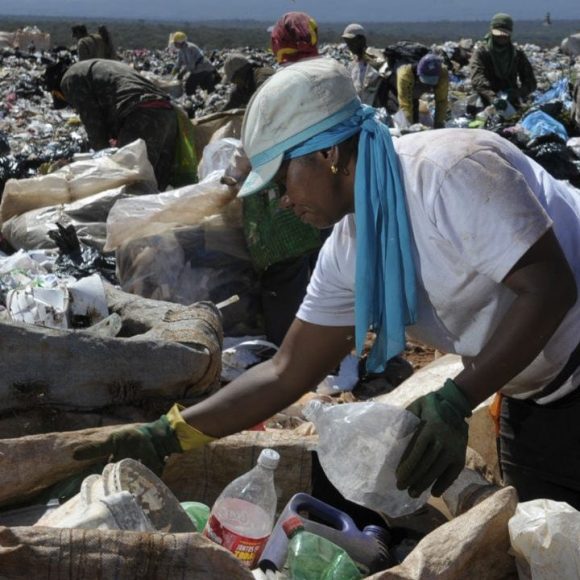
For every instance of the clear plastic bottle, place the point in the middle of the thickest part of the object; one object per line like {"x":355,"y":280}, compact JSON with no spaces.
{"x":360,"y":446}
{"x":311,"y":556}
{"x":242,"y":517}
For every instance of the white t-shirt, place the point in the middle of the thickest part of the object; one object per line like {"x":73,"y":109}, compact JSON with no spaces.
{"x":476,"y":204}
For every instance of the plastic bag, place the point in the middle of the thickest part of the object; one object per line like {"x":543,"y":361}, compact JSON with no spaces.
{"x":360,"y":447}
{"x":195,"y":263}
{"x":88,"y":216}
{"x":217,"y":155}
{"x":274,"y":234}
{"x":77,"y":180}
{"x":539,"y":123}
{"x":135,"y":218}
{"x":544,"y":535}
{"x":557,"y":92}
{"x":79,"y":260}
{"x":555,"y":157}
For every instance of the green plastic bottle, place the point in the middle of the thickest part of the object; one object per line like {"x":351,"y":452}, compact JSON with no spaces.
{"x":312,"y":557}
{"x":198,"y":512}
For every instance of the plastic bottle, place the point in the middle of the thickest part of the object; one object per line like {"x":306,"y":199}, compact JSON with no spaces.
{"x":242,"y":517}
{"x":198,"y":512}
{"x":360,"y":446}
{"x":368,"y":548}
{"x":313,"y":557}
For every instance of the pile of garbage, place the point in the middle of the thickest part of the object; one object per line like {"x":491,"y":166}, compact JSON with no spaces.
{"x":33,"y":135}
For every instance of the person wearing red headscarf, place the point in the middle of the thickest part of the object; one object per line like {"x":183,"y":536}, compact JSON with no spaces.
{"x":294,"y":37}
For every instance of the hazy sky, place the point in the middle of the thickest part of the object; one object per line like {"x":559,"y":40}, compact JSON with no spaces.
{"x":322,"y":10}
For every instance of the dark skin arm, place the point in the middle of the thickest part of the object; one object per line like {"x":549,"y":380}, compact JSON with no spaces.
{"x":307,"y":354}
{"x":310,"y":351}
{"x":545,"y":290}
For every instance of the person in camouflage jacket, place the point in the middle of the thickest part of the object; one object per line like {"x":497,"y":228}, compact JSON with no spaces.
{"x":497,"y":65}
{"x":118,"y":106}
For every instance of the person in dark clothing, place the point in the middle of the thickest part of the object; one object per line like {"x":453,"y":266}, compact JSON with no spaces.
{"x":94,"y":45}
{"x":246,"y":77}
{"x":117,"y":105}
{"x":497,"y":65}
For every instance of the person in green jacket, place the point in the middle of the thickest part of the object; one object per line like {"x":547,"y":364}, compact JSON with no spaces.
{"x":415,"y":79}
{"x":117,"y":106}
{"x":498,"y":66}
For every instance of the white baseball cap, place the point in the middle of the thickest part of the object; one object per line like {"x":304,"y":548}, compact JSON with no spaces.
{"x":300,"y":101}
{"x":353,"y":30}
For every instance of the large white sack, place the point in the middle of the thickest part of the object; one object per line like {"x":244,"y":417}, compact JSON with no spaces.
{"x":77,"y":180}
{"x":544,"y":535}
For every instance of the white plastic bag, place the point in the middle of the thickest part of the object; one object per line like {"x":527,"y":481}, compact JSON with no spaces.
{"x":216,"y":156}
{"x":360,"y":447}
{"x":77,"y":180}
{"x":545,"y":536}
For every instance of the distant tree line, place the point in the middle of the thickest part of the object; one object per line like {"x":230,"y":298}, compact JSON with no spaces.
{"x":132,"y":34}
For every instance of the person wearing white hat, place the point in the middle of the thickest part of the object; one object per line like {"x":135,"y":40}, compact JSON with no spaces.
{"x":454,"y":238}
{"x":364,"y":67}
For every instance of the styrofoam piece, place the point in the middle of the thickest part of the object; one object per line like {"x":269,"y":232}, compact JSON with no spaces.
{"x":87,"y":298}
{"x":40,"y":306}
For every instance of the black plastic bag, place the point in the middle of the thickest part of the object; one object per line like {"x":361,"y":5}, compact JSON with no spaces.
{"x":78,"y":259}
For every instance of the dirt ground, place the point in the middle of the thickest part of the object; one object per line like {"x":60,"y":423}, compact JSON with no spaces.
{"x":420,"y":355}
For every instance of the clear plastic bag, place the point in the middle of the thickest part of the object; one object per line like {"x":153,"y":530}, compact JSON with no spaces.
{"x":193,"y":205}
{"x":360,"y":447}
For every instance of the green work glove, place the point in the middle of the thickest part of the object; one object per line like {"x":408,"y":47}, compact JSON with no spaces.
{"x":150,"y":443}
{"x":436,"y":454}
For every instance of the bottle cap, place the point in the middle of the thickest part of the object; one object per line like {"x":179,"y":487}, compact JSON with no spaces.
{"x":292,"y":525}
{"x":269,"y":459}
{"x":312,"y":410}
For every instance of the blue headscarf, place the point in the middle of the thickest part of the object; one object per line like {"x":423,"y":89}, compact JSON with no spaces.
{"x":385,"y":272}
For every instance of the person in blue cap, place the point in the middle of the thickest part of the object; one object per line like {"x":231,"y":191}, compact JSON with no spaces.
{"x":413,"y":80}
{"x":454,"y":238}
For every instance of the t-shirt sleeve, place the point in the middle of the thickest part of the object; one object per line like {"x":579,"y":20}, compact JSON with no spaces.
{"x":488,"y":212}
{"x":329,"y":299}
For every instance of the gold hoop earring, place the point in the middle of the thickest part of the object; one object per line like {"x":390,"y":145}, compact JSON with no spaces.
{"x":334,"y":169}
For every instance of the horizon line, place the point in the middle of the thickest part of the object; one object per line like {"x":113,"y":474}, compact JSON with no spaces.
{"x":268,"y":21}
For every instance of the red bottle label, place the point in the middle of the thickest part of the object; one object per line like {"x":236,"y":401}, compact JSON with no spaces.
{"x":247,"y":550}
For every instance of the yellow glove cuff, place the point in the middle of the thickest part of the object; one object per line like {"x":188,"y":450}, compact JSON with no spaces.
{"x":189,"y":437}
